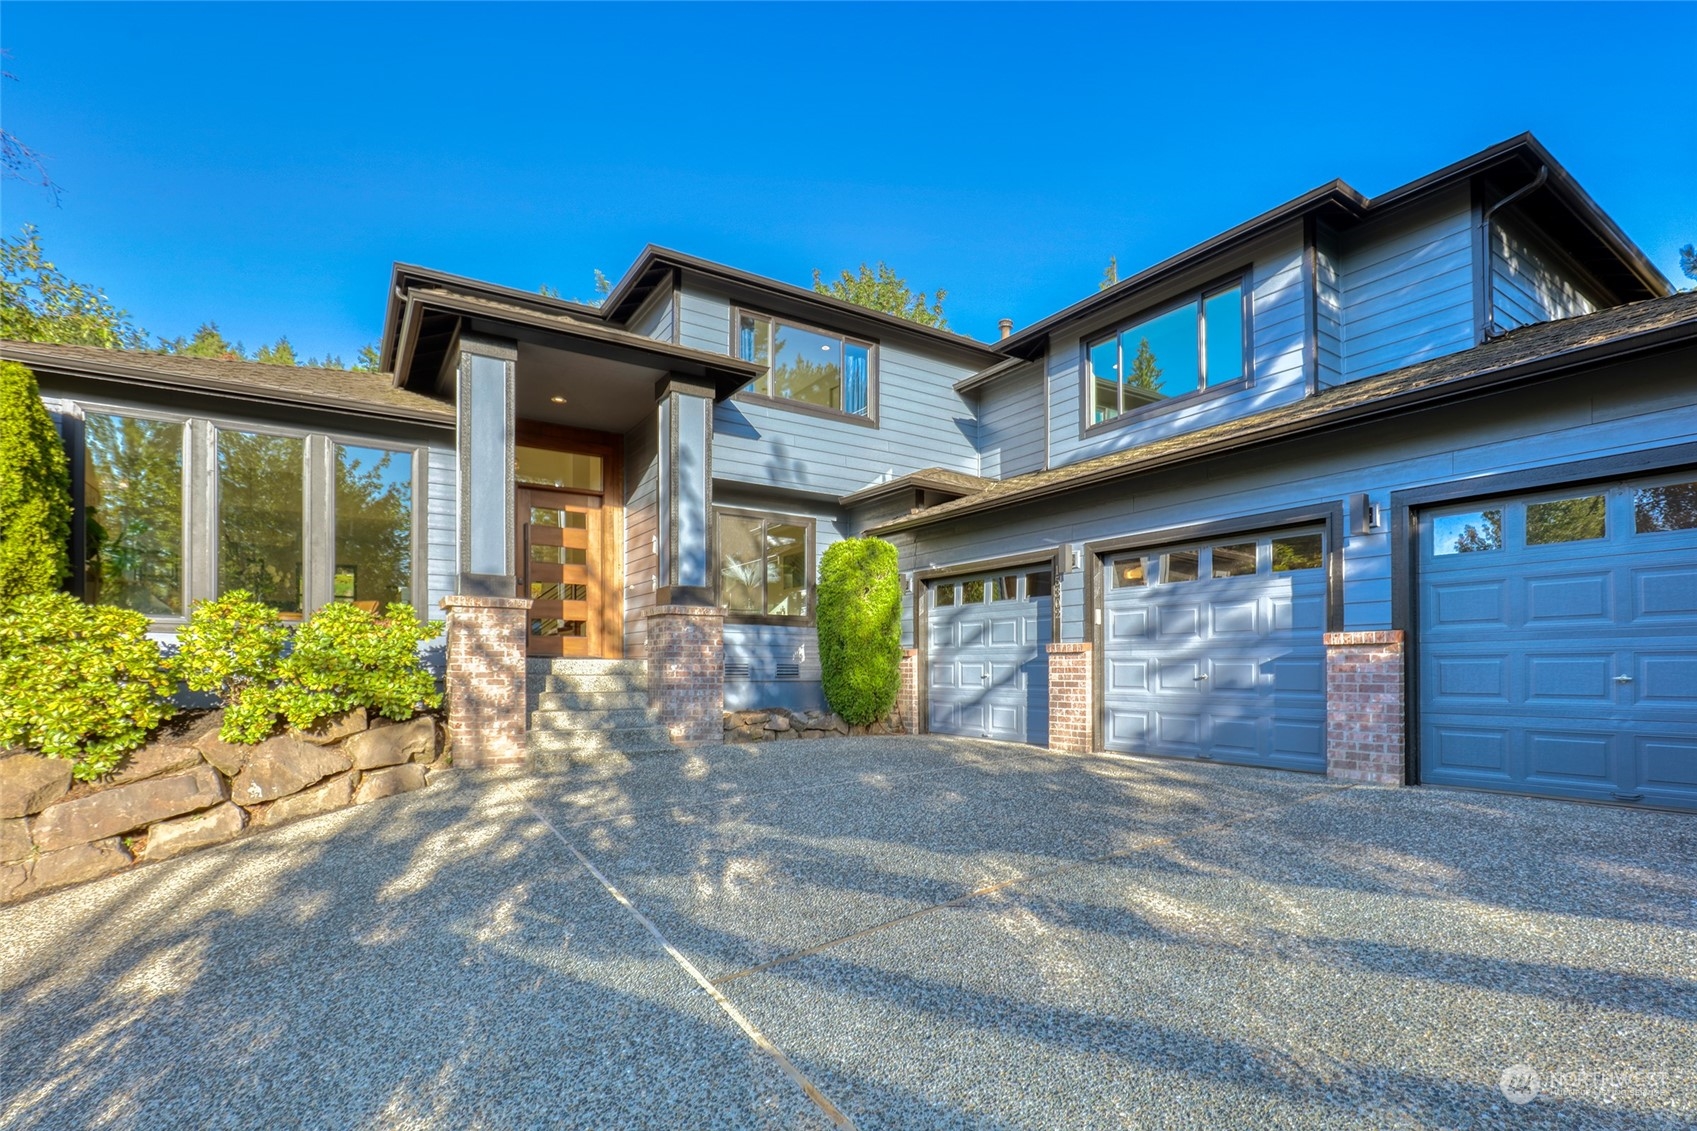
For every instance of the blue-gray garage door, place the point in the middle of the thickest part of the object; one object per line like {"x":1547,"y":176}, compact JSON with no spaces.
{"x":1558,"y":643}
{"x":1216,"y":650}
{"x":988,"y":671}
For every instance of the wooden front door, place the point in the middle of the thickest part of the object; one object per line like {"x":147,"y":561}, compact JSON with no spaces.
{"x":561,"y":547}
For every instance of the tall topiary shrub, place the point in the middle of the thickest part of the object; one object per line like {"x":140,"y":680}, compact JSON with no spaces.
{"x":859,"y":610}
{"x":79,"y":681}
{"x":35,"y":490}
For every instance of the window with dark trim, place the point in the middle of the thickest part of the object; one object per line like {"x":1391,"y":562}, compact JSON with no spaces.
{"x":765,"y":564}
{"x":1197,"y":343}
{"x":805,"y":364}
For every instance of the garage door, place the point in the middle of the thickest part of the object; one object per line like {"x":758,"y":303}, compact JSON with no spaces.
{"x":1216,"y":651}
{"x":989,"y":673}
{"x":1558,"y":644}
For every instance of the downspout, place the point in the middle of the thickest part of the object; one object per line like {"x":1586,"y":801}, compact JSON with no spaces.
{"x":1492,"y":330}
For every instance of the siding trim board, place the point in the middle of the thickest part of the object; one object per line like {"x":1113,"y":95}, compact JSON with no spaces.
{"x":1405,"y":535}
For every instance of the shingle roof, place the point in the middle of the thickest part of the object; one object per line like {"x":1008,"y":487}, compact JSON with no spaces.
{"x":342,"y":390}
{"x":939,"y":478}
{"x":1526,"y":352}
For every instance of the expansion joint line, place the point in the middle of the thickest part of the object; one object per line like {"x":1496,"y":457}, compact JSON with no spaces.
{"x":749,"y":1028}
{"x":991,"y":889}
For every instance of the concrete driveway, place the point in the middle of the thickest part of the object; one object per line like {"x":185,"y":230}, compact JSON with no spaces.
{"x":890,"y":933}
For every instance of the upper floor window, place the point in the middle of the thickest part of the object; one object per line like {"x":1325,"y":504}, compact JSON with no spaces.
{"x":805,"y":364}
{"x":1194,"y":344}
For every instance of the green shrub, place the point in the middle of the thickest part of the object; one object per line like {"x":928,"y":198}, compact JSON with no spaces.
{"x":345,"y":657}
{"x":234,"y":646}
{"x":35,"y":490}
{"x":80,"y":681}
{"x":860,"y":629}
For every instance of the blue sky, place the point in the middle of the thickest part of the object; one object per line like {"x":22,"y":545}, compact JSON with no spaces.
{"x":264,"y":165}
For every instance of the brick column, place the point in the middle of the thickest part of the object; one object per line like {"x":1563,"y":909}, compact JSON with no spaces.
{"x":686,"y":672}
{"x":1365,"y":711}
{"x":907,"y":699}
{"x":1070,"y":699}
{"x":485,"y":692}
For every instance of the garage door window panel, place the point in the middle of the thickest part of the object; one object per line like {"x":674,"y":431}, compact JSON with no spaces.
{"x":1235,"y":560}
{"x":1467,"y":532}
{"x":1130,"y":573}
{"x":1181,"y":565}
{"x":1663,"y":509}
{"x":1298,"y":551}
{"x":943,"y":596}
{"x":972,"y":593}
{"x":1581,"y":519}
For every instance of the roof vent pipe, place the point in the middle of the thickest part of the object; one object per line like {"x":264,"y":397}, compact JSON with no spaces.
{"x":1006,"y":326}
{"x":1492,"y":330}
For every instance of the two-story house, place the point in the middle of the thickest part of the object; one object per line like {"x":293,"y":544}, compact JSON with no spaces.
{"x":1400,"y":488}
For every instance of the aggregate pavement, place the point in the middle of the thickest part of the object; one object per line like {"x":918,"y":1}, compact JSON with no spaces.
{"x":878,"y":933}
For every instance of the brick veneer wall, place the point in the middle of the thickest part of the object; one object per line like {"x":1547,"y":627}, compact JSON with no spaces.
{"x":485,"y":686}
{"x":1071,"y":703}
{"x":686,"y":672}
{"x":1365,"y":708}
{"x":907,"y":699}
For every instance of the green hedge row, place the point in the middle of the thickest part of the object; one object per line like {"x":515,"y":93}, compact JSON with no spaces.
{"x":84,"y":682}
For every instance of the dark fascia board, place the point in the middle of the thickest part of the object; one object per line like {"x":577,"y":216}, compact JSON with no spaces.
{"x":1348,"y":204}
{"x":985,"y":376}
{"x":834,"y":312}
{"x":915,"y":480}
{"x":404,"y":277}
{"x":430,"y":414}
{"x":727,"y":374}
{"x":1461,"y":388}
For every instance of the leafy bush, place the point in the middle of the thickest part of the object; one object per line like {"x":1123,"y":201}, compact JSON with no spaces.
{"x":234,"y":646}
{"x":81,"y":682}
{"x":35,"y":490}
{"x":345,"y":657}
{"x":860,"y":631}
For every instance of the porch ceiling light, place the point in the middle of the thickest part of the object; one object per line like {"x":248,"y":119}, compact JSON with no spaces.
{"x":558,"y":400}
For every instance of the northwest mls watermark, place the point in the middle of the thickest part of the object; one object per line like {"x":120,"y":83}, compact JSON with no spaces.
{"x":1521,"y":1084}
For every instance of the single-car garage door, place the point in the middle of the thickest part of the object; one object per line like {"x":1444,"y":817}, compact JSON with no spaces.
{"x":988,"y":671}
{"x":1558,"y":643}
{"x":1217,"y":650}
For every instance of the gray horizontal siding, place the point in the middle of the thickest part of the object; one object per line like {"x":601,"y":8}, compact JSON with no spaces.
{"x":655,"y":320}
{"x":1010,"y":424}
{"x":1528,"y":282}
{"x":1328,"y":322}
{"x":1626,"y":408}
{"x":1405,"y":284}
{"x":642,"y":502}
{"x":922,"y":421}
{"x":1278,"y":331}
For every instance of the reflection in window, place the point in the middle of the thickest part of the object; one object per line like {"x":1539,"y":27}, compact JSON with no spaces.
{"x":558,"y":517}
{"x":1196,"y":345}
{"x":373,"y":525}
{"x":1236,"y":560}
{"x":1565,"y":520}
{"x":558,"y":591}
{"x":763,"y":565}
{"x":1182,"y":565}
{"x":1004,"y":588}
{"x":972,"y":593}
{"x":1129,"y":573}
{"x":943,"y":595}
{"x":570,"y":471}
{"x":261,"y":517}
{"x":1468,"y":533}
{"x":811,"y":366}
{"x":1040,"y":584}
{"x":1659,"y":509}
{"x":559,"y":555}
{"x":134,"y":513}
{"x":1298,"y":551}
{"x":553,"y":626}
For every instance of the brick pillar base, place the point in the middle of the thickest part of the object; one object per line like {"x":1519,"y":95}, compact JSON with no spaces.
{"x":1070,"y":700}
{"x":907,"y":699}
{"x":485,"y":686}
{"x":686,"y":672}
{"x":1365,"y":711}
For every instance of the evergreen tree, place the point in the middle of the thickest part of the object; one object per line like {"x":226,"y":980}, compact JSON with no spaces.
{"x":885,"y":291}
{"x":1145,"y":374}
{"x":35,"y":491}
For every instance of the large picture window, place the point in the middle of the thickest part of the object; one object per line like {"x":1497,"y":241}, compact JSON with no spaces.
{"x":373,"y":525}
{"x":1192,"y":345}
{"x":262,"y":518}
{"x":807,"y":365}
{"x":133,"y":513}
{"x":765,"y":564}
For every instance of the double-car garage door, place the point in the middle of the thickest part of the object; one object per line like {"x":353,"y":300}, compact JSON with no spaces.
{"x":1557,"y":643}
{"x":988,"y":672}
{"x":1215,"y":650}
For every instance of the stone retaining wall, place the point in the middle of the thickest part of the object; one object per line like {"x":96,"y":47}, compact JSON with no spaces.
{"x":188,"y":789}
{"x":775,"y":723}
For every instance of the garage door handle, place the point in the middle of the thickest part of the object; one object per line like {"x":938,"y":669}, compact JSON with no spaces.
{"x":1623,"y":679}
{"x":1204,"y":675}
{"x":1628,"y":796}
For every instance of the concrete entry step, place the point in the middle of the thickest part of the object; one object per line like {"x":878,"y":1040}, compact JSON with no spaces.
{"x":589,"y":682}
{"x":579,"y":719}
{"x":625,"y":740}
{"x":589,"y":701}
{"x":578,"y":666}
